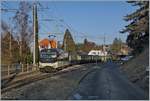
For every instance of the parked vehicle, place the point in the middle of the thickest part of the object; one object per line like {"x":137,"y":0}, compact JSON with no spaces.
{"x":126,"y":58}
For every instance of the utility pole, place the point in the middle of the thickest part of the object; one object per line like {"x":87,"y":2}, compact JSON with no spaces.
{"x":65,"y":48}
{"x":10,"y":45}
{"x":120,"y":43}
{"x":35,"y":31}
{"x":104,"y":48}
{"x":34,"y":34}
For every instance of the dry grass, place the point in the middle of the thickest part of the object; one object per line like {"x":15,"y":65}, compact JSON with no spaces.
{"x":136,"y":69}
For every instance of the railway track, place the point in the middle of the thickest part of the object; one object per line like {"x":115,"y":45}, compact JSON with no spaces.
{"x":24,"y":79}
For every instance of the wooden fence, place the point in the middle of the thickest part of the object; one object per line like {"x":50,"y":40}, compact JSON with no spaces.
{"x":8,"y":70}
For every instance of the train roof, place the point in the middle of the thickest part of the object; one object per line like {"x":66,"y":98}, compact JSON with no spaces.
{"x":54,"y":49}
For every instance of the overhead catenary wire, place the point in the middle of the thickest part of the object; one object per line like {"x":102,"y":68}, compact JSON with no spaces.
{"x":61,"y":20}
{"x":58,"y":22}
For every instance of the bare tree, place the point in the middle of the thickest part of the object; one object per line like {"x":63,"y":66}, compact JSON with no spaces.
{"x":24,"y":29}
{"x":9,"y":46}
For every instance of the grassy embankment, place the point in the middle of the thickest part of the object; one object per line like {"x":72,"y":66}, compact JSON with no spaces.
{"x":136,"y":69}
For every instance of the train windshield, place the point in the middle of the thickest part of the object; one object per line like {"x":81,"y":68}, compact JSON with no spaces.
{"x":48,"y":55}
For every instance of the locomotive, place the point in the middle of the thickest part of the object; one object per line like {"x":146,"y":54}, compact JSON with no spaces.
{"x":53,"y":59}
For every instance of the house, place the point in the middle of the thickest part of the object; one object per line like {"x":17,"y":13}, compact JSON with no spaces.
{"x":46,"y":43}
{"x":98,"y":53}
{"x":125,"y":50}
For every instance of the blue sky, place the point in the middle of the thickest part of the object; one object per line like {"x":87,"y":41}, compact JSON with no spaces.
{"x":91,"y":20}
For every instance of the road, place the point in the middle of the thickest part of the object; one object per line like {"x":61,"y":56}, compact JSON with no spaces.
{"x":88,"y":82}
{"x":107,"y":83}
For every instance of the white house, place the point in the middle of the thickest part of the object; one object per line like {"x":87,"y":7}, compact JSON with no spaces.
{"x":98,"y":52}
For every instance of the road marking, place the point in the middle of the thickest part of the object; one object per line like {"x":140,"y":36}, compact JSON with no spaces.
{"x":77,"y":96}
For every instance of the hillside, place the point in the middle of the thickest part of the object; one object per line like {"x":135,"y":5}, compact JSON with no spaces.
{"x":136,"y":69}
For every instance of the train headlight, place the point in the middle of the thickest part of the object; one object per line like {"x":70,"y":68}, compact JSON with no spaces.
{"x":54,"y":56}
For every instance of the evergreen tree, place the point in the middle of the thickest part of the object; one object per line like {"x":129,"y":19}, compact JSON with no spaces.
{"x":116,"y":46}
{"x":79,"y":46}
{"x":68,"y":42}
{"x":138,"y":28}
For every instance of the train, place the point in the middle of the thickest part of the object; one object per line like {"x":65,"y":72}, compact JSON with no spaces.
{"x":55,"y":59}
{"x":52,"y":59}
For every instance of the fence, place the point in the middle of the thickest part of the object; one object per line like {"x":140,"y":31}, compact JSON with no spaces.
{"x":8,"y":70}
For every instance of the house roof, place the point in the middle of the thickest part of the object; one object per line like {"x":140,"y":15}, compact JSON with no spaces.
{"x":44,"y":42}
{"x":47,"y":42}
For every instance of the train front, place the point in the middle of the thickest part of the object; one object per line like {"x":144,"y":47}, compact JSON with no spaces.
{"x":48,"y":58}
